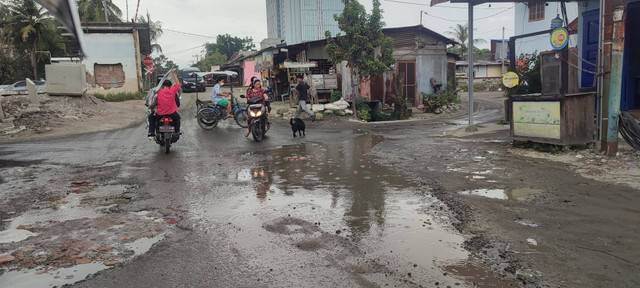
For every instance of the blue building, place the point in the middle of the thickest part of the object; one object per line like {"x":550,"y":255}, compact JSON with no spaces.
{"x":297,"y":21}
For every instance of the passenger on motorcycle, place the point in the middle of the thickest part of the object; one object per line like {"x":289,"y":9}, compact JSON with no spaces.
{"x":217,"y":94}
{"x":254,"y":92}
{"x":166,"y":103}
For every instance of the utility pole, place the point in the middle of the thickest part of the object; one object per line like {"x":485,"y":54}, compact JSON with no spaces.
{"x":127,"y":4}
{"x":471,"y":128}
{"x":421,"y":12}
{"x":502,"y":50}
{"x":617,"y":54}
{"x":106,"y":14}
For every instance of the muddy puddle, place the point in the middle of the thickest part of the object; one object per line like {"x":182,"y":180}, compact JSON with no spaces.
{"x":518,"y":194}
{"x":73,"y":228}
{"x":332,"y":209}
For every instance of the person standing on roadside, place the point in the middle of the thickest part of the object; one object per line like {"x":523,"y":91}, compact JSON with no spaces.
{"x":303,"y":90}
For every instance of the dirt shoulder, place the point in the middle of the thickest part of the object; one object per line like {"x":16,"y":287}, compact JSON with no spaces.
{"x":58,"y":116}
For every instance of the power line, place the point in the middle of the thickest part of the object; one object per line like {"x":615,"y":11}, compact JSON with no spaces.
{"x":197,"y":35}
{"x":185,"y":50}
{"x":481,"y":18}
{"x":439,"y":6}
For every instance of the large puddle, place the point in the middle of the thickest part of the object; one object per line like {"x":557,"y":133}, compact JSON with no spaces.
{"x":334,"y":209}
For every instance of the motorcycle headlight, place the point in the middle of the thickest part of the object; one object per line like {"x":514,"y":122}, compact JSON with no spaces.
{"x":255,"y":113}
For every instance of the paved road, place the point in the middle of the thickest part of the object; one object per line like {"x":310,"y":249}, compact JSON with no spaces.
{"x":313,"y":211}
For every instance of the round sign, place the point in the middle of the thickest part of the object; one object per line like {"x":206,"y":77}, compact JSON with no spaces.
{"x":510,"y":79}
{"x":147,"y":61}
{"x":559,"y":38}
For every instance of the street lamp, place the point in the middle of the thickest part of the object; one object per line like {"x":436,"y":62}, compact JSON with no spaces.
{"x":556,"y":22}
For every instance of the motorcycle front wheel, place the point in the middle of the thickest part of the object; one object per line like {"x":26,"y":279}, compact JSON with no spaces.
{"x":257,"y":131}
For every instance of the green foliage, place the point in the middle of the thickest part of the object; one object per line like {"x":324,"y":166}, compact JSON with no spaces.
{"x":444,"y":98}
{"x":119,"y":97}
{"x":227,"y":45}
{"x":528,"y":67}
{"x":335,"y":96}
{"x":162,"y":65}
{"x":93,"y":11}
{"x":362,"y":104}
{"x":13,"y":69}
{"x":364,"y":46}
{"x":215,"y":59}
{"x":460,"y":34}
{"x":365,"y":115}
{"x":381,"y":116}
{"x":337,"y":113}
{"x":30,"y":28}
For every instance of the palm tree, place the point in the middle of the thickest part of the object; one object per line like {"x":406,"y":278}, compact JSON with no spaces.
{"x":94,"y":11}
{"x":26,"y":26}
{"x":155,"y":31}
{"x":460,"y":34}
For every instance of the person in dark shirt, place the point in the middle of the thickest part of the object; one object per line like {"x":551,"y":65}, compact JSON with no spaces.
{"x":303,"y":90}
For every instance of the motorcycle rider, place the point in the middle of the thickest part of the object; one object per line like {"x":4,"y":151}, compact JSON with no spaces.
{"x":256,"y":91}
{"x":217,"y":94}
{"x":165,"y":104}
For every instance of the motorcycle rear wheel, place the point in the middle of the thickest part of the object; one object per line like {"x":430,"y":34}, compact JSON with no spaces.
{"x":167,"y":146}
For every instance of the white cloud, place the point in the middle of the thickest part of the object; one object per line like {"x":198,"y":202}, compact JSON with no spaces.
{"x":243,"y":18}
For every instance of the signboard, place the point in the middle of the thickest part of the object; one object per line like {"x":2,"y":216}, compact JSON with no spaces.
{"x":559,"y":38}
{"x":510,"y":79}
{"x":147,"y":61}
{"x":317,"y":80}
{"x":536,"y":119}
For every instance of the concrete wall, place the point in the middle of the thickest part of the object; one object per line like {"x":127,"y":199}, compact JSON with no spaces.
{"x":113,"y":58}
{"x":540,"y":43}
{"x":495,"y":71}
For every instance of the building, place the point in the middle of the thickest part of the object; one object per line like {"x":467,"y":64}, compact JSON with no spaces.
{"x":486,"y":70}
{"x":499,"y":49}
{"x":298,"y":21}
{"x":536,"y":16}
{"x":114,"y":53}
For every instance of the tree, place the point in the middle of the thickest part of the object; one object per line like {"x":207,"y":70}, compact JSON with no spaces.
{"x":364,"y":46}
{"x":215,"y":59}
{"x":155,"y":31}
{"x":29,"y":27}
{"x":460,"y":34}
{"x":162,"y":64}
{"x":94,"y":11}
{"x":227,"y":45}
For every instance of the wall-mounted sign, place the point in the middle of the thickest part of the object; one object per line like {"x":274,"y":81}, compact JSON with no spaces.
{"x":559,"y":38}
{"x":510,"y":79}
{"x":536,"y":119}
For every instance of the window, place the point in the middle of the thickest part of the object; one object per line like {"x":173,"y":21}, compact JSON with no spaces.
{"x":536,"y":11}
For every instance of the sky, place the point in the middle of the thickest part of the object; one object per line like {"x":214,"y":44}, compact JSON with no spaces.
{"x":189,"y":24}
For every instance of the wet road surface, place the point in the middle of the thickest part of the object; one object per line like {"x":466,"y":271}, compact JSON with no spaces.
{"x":312,"y":211}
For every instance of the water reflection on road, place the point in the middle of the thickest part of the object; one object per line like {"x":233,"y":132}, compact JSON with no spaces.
{"x":332,"y":209}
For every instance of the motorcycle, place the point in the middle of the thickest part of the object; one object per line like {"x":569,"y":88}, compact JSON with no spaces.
{"x":209,"y":115}
{"x":166,"y":133}
{"x":257,"y":118}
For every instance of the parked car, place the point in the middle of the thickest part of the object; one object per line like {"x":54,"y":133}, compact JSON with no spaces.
{"x":190,"y":80}
{"x":20,"y":87}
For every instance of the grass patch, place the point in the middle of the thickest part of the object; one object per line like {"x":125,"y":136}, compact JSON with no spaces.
{"x":119,"y":97}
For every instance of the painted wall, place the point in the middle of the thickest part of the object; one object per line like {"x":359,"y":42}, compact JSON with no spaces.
{"x":430,"y":66}
{"x":249,"y":71}
{"x":111,"y":49}
{"x":540,"y":43}
{"x":582,"y":8}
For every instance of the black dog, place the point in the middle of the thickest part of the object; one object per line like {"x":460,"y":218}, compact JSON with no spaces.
{"x":297,"y":125}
